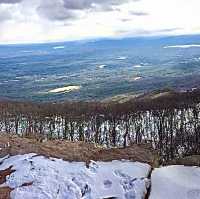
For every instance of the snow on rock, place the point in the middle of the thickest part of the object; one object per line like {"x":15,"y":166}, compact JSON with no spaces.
{"x":54,"y":178}
{"x":2,"y":159}
{"x":175,"y":182}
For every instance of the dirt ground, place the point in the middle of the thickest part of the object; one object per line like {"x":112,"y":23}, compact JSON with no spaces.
{"x":74,"y":151}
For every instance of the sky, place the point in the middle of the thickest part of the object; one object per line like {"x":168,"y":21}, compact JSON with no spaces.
{"x":33,"y":21}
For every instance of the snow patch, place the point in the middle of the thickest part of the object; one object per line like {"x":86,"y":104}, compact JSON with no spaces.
{"x":137,"y":78}
{"x":121,"y":58}
{"x":184,"y":46}
{"x":58,"y":47}
{"x":174,"y":182}
{"x":137,"y":66}
{"x":102,"y":66}
{"x":65,"y":89}
{"x":54,"y":178}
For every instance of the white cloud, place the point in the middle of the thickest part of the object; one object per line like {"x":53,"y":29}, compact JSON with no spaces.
{"x":58,"y":20}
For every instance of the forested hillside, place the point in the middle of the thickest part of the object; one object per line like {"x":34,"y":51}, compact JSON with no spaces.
{"x":169,"y":121}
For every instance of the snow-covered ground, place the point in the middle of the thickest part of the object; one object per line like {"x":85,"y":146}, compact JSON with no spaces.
{"x":175,"y":182}
{"x":50,"y":178}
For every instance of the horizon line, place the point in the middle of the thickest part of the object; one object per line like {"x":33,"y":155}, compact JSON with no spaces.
{"x":86,"y":40}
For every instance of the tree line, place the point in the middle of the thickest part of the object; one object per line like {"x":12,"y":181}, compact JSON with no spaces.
{"x":169,"y":122}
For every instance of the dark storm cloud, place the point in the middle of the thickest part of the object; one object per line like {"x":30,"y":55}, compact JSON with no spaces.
{"x":69,"y":9}
{"x":10,"y":1}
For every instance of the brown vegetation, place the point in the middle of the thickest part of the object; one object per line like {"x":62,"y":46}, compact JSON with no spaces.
{"x":77,"y":151}
{"x":169,"y":121}
{"x":193,"y":160}
{"x":5,"y":192}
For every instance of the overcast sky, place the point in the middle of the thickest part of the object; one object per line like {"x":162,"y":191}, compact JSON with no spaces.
{"x":23,"y":21}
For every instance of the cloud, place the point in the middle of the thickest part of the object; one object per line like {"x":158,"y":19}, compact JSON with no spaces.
{"x":126,"y":19}
{"x":167,"y":30}
{"x":143,"y":32}
{"x":61,"y":20}
{"x":4,"y":15}
{"x":55,"y":11}
{"x":9,"y":1}
{"x":138,"y":13}
{"x":70,"y":9}
{"x":92,"y":4}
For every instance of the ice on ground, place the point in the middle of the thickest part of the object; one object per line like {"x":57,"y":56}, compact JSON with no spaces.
{"x":50,"y":178}
{"x":175,"y":182}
